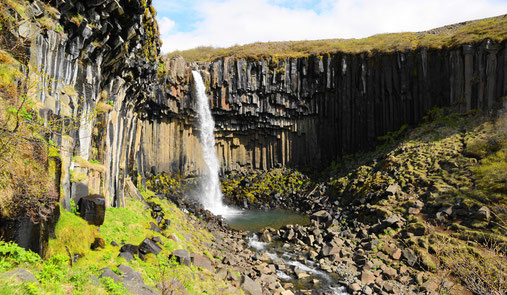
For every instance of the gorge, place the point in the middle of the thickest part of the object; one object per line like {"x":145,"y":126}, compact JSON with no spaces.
{"x":395,"y":135}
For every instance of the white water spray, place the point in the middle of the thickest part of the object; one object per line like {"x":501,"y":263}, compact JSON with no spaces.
{"x":210,"y":195}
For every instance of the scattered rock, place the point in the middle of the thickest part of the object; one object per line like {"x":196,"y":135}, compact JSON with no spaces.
{"x":266,"y":237}
{"x":127,"y":255}
{"x":367,"y":277}
{"x":202,"y":261}
{"x":20,"y":274}
{"x":483,"y":213}
{"x":108,"y":273}
{"x":250,"y":287}
{"x":182,"y":257}
{"x":133,"y":249}
{"x":148,"y":246}
{"x":409,"y":256}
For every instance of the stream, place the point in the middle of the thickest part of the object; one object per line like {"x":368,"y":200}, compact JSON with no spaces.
{"x":317,"y":281}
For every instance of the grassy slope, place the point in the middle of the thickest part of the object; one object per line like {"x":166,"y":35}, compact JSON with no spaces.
{"x":129,"y":225}
{"x":449,"y":36}
{"x":456,"y":161}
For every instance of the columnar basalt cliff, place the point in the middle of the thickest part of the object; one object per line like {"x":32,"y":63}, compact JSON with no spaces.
{"x":310,"y":111}
{"x":269,"y":112}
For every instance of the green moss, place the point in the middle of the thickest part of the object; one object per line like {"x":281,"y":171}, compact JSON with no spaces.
{"x":68,"y":240}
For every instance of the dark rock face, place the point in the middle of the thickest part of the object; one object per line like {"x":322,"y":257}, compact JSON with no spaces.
{"x":29,"y":234}
{"x":309,"y":111}
{"x":93,"y":209}
{"x":269,"y":112}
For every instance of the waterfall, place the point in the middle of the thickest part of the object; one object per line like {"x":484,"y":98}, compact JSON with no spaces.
{"x":210,"y":194}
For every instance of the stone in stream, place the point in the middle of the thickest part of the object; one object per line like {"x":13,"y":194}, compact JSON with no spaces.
{"x":266,"y":237}
{"x":92,"y":208}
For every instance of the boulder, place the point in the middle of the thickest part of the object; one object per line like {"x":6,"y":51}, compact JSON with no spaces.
{"x":133,"y":249}
{"x":483,"y":213}
{"x":182,"y":257}
{"x":321,"y":216}
{"x":367,"y":277}
{"x":409,"y":256}
{"x":128,"y":256}
{"x":250,"y":286}
{"x":108,"y":273}
{"x":393,"y":189}
{"x":92,"y":208}
{"x":149,"y":246}
{"x":203,"y":262}
{"x":266,"y":237}
{"x":20,"y":274}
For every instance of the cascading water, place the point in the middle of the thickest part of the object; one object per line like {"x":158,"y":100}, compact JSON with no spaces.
{"x":210,"y":194}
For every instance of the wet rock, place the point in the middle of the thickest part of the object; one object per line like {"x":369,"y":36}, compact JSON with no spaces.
{"x":266,"y":237}
{"x":92,"y":208}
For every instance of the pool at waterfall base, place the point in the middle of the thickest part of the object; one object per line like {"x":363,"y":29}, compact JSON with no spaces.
{"x":256,"y":220}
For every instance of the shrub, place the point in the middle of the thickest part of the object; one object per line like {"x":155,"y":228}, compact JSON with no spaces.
{"x":11,"y":255}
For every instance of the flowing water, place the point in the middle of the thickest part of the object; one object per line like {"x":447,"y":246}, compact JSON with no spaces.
{"x":210,"y":194}
{"x":327,"y":282}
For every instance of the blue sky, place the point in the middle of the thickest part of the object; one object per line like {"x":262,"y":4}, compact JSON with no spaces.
{"x":187,"y":24}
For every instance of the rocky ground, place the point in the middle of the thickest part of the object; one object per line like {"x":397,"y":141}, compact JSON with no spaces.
{"x":423,"y":214}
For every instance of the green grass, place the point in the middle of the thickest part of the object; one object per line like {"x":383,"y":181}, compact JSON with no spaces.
{"x":67,"y":236}
{"x":473,"y":32}
{"x":129,"y":225}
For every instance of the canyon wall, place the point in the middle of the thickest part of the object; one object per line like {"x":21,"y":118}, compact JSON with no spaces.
{"x":310,"y":111}
{"x":136,"y":118}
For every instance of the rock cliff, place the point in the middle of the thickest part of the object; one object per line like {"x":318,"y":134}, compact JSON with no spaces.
{"x":103,"y":63}
{"x":310,"y":111}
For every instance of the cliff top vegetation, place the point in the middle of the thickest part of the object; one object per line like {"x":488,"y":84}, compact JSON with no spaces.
{"x":469,"y":32}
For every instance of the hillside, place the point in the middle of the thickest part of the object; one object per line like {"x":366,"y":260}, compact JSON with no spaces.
{"x":448,"y":36}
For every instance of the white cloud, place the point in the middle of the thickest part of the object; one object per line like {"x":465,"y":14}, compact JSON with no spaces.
{"x":165,"y":25}
{"x":226,"y":23}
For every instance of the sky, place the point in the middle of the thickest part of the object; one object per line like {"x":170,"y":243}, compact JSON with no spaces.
{"x":187,"y":24}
